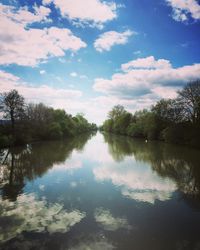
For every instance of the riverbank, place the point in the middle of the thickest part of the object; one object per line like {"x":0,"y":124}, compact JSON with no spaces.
{"x":5,"y":142}
{"x":181,"y":138}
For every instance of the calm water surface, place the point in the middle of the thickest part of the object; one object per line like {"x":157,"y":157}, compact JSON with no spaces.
{"x":100,"y":192}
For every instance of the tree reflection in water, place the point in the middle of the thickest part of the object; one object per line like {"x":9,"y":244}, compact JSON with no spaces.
{"x":21,"y":164}
{"x":180,"y":164}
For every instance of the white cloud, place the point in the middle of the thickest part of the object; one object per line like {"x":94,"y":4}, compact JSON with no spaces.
{"x":42,"y":72}
{"x":147,"y":76}
{"x":182,"y":9}
{"x":137,"y":52}
{"x":9,"y":78}
{"x":94,"y":13}
{"x":62,"y":60}
{"x":24,"y":17}
{"x":111,"y":38}
{"x":29,"y":46}
{"x":146,"y":63}
{"x":36,"y":215}
{"x":46,"y":2}
{"x":73,"y":74}
{"x":43,"y":93}
{"x":165,"y":92}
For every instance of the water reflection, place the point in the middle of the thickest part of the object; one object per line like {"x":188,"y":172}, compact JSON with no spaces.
{"x":29,"y":214}
{"x":19,"y":165}
{"x":111,"y":193}
{"x":173,"y":168}
{"x":137,"y":181}
{"x":109,"y":222}
{"x":91,"y":242}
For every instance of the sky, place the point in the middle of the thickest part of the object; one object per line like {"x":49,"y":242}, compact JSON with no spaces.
{"x":87,"y":56}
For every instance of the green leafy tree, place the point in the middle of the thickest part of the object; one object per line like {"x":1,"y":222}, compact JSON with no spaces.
{"x":122,"y":122}
{"x":168,"y":111}
{"x":189,"y":98}
{"x":12,"y":106}
{"x":116,"y":112}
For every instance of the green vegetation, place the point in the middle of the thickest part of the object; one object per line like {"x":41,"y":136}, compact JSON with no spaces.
{"x":24,"y":123}
{"x":171,"y":120}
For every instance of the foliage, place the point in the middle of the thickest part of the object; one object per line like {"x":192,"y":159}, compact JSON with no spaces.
{"x":172,"y":120}
{"x":189,"y":97}
{"x":31,"y":122}
{"x":12,"y":105}
{"x":116,"y":112}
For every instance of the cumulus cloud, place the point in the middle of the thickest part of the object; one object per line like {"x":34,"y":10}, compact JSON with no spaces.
{"x":147,"y":77}
{"x":136,"y":181}
{"x":108,"y":221}
{"x":184,"y":9}
{"x":29,"y":46}
{"x":24,"y":17}
{"x":29,"y":214}
{"x":94,"y":13}
{"x":146,"y":63}
{"x":111,"y":38}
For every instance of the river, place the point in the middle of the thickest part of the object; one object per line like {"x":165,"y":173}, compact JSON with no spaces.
{"x":100,"y":192}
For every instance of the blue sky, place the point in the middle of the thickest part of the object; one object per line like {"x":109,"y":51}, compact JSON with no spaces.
{"x":87,"y":56}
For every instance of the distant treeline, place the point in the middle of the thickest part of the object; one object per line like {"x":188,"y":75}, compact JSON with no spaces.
{"x":23,"y":123}
{"x":171,"y":120}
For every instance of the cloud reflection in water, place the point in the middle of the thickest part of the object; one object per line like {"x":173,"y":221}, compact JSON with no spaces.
{"x":137,"y":181}
{"x":108,"y":221}
{"x":29,"y":214}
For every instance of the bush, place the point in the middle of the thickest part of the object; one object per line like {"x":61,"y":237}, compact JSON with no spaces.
{"x":135,"y":130}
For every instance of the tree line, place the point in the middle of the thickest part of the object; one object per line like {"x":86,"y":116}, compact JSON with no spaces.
{"x":25,"y":122}
{"x":171,"y":120}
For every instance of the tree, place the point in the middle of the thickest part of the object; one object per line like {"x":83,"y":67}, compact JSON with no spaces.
{"x":122,"y":122}
{"x":116,"y":112}
{"x":39,"y":113}
{"x":189,"y":98}
{"x":168,"y":110}
{"x":12,"y":105}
